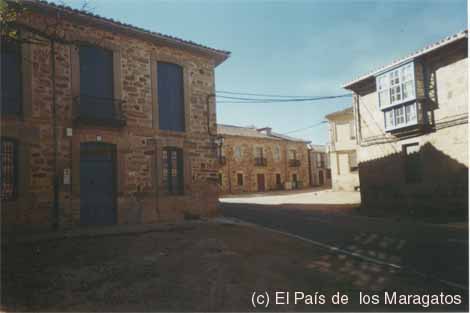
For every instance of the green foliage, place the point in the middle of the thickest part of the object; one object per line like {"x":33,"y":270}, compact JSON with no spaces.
{"x":9,"y":11}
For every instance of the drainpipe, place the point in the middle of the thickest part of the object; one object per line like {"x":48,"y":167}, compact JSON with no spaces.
{"x":55,"y":212}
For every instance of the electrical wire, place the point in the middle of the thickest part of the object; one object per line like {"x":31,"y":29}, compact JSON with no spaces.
{"x":258,"y":94}
{"x":254,"y":100}
{"x":305,"y":128}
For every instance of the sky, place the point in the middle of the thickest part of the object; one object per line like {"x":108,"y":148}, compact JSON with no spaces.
{"x":304,"y":48}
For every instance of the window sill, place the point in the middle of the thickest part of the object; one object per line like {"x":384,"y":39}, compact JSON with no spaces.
{"x":165,"y":132}
{"x":100,"y":122}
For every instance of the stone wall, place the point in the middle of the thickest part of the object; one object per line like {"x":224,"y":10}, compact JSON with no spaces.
{"x":443,"y":143}
{"x":245,"y":165}
{"x":139,"y":144}
{"x":317,"y":170}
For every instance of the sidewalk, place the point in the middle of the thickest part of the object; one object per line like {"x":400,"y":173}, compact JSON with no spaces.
{"x":315,"y":196}
{"x":22,"y":237}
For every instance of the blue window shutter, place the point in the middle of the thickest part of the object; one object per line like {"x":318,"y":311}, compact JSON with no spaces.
{"x":170,"y":96}
{"x":96,"y":82}
{"x":11,"y":77}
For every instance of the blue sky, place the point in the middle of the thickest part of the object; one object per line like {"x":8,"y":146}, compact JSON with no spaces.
{"x":306,"y":48}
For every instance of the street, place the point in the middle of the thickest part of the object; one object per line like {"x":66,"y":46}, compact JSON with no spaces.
{"x":437,"y":252}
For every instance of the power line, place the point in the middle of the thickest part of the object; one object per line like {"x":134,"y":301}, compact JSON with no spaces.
{"x":255,"y":100}
{"x":258,"y":94}
{"x":304,"y":128}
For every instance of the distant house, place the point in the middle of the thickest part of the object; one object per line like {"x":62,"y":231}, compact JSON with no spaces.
{"x":103,"y":122}
{"x":258,"y":159}
{"x":320,"y":171}
{"x":342,"y":149}
{"x":412,"y":125}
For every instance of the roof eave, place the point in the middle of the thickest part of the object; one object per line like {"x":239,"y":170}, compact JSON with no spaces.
{"x":218,"y":56}
{"x":451,"y":39}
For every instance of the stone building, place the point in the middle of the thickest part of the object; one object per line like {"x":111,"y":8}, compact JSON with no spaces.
{"x":342,"y":150}
{"x":257,"y":160}
{"x":320,"y":171}
{"x":412,"y":125}
{"x":104,"y":123}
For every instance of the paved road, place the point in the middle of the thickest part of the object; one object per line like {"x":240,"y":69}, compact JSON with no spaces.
{"x":439,"y":252}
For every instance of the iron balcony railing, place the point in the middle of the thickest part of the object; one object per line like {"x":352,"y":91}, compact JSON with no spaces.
{"x":91,"y":110}
{"x":294,"y":163}
{"x":261,"y":162}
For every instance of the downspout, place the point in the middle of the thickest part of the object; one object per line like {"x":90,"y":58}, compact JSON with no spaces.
{"x":55,"y":222}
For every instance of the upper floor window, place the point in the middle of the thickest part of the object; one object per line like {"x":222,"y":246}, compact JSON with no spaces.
{"x":170,"y":96}
{"x":292,"y":155}
{"x":277,"y":153}
{"x":259,"y":152}
{"x":238,"y":152}
{"x":173,"y":178}
{"x":401,"y":116}
{"x":8,"y":173}
{"x":396,"y":86}
{"x":11,"y":77}
{"x":320,"y":160}
{"x":96,"y":83}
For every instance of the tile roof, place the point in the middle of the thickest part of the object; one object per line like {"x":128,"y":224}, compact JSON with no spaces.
{"x":348,"y":110}
{"x":220,"y":55}
{"x":232,"y":130}
{"x":441,"y":43}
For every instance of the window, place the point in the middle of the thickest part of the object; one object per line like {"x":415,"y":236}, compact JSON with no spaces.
{"x":11,"y":77}
{"x":278,"y":179}
{"x":413,"y":165}
{"x":170,"y":96}
{"x":240,"y":179}
{"x":319,"y":159}
{"x":238,"y":152}
{"x":172,"y":161}
{"x":292,"y":155}
{"x":400,"y":116}
{"x":353,"y":161}
{"x":277,"y":153}
{"x":8,"y":174}
{"x":396,"y":86}
{"x":259,"y":152}
{"x":220,"y":178}
{"x":96,"y":83}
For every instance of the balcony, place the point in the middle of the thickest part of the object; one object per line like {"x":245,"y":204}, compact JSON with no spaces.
{"x":261,"y":162}
{"x":294,"y":163}
{"x":90,"y":110}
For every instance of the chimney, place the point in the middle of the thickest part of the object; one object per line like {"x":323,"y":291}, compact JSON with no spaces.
{"x":265,"y":130}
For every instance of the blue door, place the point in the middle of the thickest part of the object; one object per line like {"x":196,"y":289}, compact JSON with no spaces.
{"x":97,"y":184}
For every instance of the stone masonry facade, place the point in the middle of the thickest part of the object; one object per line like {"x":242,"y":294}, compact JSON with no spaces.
{"x":244,"y":171}
{"x":320,"y":170}
{"x":140,"y":197}
{"x":422,"y":169}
